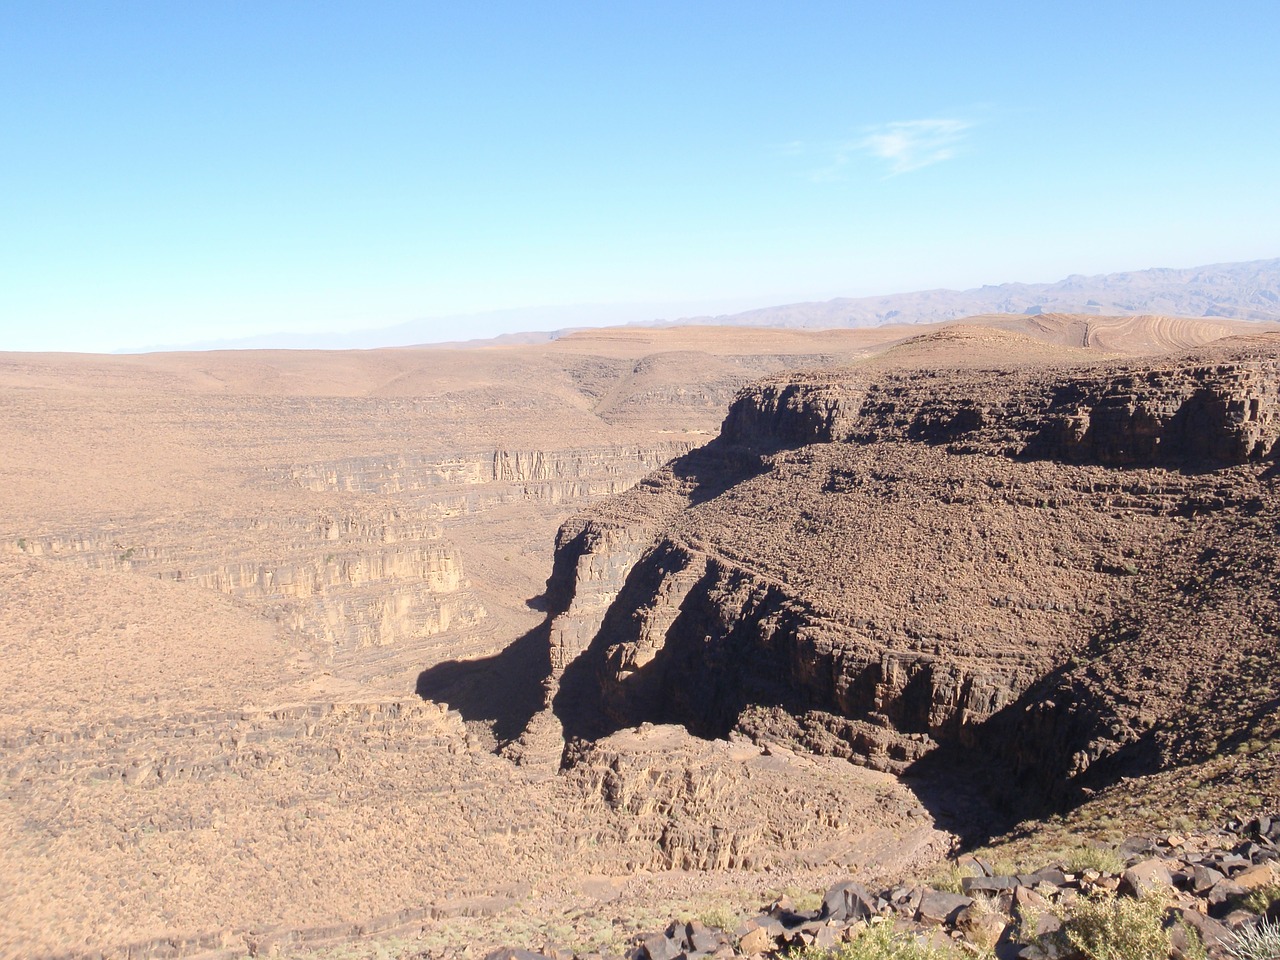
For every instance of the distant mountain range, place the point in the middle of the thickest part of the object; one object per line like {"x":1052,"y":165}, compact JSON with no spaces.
{"x":1241,"y":291}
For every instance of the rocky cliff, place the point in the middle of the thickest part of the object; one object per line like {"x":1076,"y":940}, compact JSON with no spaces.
{"x":370,"y":575}
{"x":879,"y":561}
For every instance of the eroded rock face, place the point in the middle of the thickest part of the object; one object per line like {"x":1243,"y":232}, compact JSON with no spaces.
{"x":344,"y":581}
{"x":349,"y":581}
{"x":1222,"y":414}
{"x":875,"y":564}
{"x":680,"y":804}
{"x":790,"y":413}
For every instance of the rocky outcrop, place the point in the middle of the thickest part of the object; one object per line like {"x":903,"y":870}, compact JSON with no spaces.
{"x":352,"y":581}
{"x":1222,"y":414}
{"x":491,"y":475}
{"x":785,"y":413}
{"x":873,"y":564}
{"x":677,"y":803}
{"x":592,"y":563}
{"x":1200,"y":897}
{"x":344,"y":581}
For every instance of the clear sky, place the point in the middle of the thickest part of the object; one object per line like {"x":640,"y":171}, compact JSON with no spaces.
{"x":182,"y":171}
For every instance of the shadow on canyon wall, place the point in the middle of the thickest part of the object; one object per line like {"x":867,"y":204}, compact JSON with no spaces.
{"x":505,"y":690}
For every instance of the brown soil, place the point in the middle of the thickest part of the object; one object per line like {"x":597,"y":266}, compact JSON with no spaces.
{"x":226,"y":575}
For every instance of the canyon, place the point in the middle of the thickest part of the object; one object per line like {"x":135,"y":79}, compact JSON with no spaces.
{"x":516,"y":641}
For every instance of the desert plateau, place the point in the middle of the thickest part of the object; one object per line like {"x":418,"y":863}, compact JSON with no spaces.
{"x":639,"y":481}
{"x":636,"y":642}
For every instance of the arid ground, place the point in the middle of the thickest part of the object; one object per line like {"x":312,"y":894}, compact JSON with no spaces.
{"x":304,"y":648}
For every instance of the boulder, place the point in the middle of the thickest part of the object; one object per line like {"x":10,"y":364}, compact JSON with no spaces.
{"x":848,"y":901}
{"x":937,"y":907}
{"x":981,"y":926}
{"x":1202,"y":877}
{"x":1135,"y":846}
{"x":658,"y":946}
{"x":999,"y":884}
{"x":1148,"y":876}
{"x":1263,"y":875}
{"x":1222,"y":894}
{"x":1211,"y":933}
{"x":1050,"y":875}
{"x":755,"y":942}
{"x":702,"y":939}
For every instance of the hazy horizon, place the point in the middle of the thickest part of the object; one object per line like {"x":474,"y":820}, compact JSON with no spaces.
{"x":181,"y":175}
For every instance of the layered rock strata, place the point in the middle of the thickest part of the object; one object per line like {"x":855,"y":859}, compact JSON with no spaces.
{"x":873,"y":562}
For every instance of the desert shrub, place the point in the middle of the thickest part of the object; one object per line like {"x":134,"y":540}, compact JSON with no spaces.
{"x":985,"y":905}
{"x":878,"y":942}
{"x":948,"y":879}
{"x":720,"y":917}
{"x":1026,"y":921}
{"x":1118,"y":928}
{"x":1256,"y":943}
{"x":1193,"y":944}
{"x":1260,"y":899}
{"x":1091,"y":858}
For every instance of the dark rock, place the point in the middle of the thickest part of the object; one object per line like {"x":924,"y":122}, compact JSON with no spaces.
{"x":1146,"y":877}
{"x":1235,"y":919}
{"x":1222,"y":895}
{"x":1049,"y":875}
{"x":972,"y":885}
{"x":512,"y":953}
{"x":1202,"y":878}
{"x":848,"y":901}
{"x":702,"y":939}
{"x":1211,"y":932}
{"x":937,"y":907}
{"x":970,"y":862}
{"x":1135,"y":846}
{"x":659,"y":946}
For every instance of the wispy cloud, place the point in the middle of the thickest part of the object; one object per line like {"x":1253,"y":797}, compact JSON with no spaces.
{"x":911,"y":144}
{"x":902,"y":146}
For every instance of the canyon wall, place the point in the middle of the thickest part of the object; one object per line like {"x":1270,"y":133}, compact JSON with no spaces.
{"x":380,"y":572}
{"x":873,"y":563}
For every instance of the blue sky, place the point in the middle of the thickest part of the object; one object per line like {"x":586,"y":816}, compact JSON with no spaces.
{"x":176,"y":172}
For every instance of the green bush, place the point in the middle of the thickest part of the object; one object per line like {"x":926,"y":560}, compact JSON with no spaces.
{"x":1118,"y":928}
{"x":1089,"y":858}
{"x":1260,"y":899}
{"x":948,"y":879}
{"x":878,"y":942}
